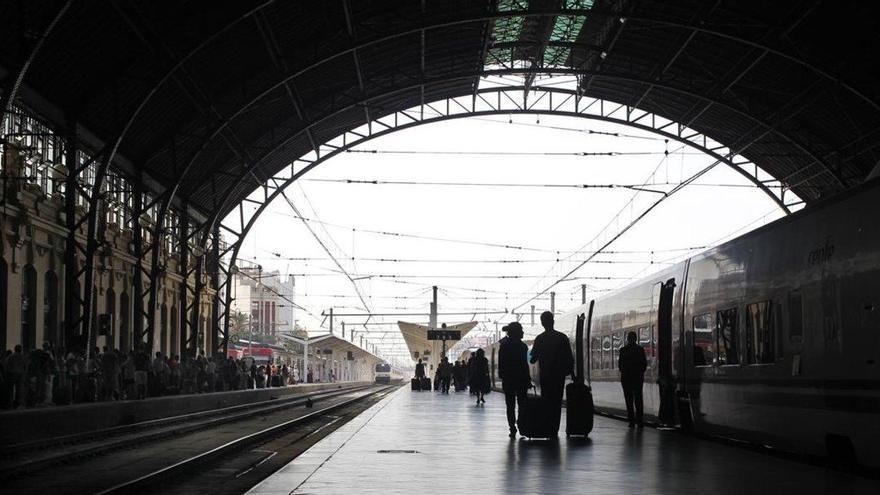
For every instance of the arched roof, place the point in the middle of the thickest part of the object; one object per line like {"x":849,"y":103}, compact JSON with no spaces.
{"x":191,"y":95}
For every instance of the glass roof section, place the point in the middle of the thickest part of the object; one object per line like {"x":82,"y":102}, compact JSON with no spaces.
{"x":566,"y":29}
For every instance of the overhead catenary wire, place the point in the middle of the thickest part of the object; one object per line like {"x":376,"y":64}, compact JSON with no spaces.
{"x":452,"y":240}
{"x":279,"y":256}
{"x":507,"y":153}
{"x":280,"y":295}
{"x":327,"y":250}
{"x":355,"y":277}
{"x":626,"y":228}
{"x":380,"y":182}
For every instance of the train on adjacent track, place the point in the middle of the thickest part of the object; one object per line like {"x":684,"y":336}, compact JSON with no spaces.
{"x":385,"y":373}
{"x":772,"y":338}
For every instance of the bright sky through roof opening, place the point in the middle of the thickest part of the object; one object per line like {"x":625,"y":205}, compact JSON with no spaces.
{"x":503,"y":180}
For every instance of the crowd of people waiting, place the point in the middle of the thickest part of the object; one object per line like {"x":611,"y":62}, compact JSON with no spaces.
{"x":472,"y":374}
{"x":46,"y":376}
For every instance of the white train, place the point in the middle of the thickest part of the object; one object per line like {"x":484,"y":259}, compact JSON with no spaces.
{"x":772,"y":338}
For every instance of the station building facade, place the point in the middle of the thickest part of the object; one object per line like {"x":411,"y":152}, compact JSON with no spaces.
{"x":33,"y":261}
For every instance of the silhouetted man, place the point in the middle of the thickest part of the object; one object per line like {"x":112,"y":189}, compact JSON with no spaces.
{"x":445,"y":373}
{"x":552,"y":352}
{"x":513,"y":369}
{"x":420,"y":370}
{"x":632,"y":364}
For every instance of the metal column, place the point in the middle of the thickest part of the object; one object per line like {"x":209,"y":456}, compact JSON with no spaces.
{"x":219,"y":345}
{"x":183,"y":237}
{"x":72,"y":296}
{"x":137,"y":300}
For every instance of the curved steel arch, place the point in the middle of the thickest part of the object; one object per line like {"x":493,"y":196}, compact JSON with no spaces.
{"x":631,"y":118}
{"x":288,"y":78}
{"x":768,"y":126}
{"x":8,"y":97}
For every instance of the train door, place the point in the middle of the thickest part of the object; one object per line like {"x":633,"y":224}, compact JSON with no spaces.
{"x":665,"y":378}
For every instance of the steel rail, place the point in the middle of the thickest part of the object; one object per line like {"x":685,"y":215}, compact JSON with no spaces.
{"x":153,"y":430}
{"x":183,"y":466}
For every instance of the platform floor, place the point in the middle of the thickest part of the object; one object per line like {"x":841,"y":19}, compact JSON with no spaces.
{"x":425,"y":442}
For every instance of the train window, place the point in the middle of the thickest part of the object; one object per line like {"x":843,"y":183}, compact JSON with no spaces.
{"x":646,"y":340}
{"x":704,"y":340}
{"x":595,"y":354}
{"x":760,"y":337}
{"x":615,"y":349}
{"x":727,"y":337}
{"x":795,"y":316}
{"x":606,"y":352}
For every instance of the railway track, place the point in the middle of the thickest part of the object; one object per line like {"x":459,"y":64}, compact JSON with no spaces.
{"x":209,"y":471}
{"x":143,"y":452}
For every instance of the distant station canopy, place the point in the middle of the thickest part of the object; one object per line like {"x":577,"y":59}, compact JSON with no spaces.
{"x":422,"y":346}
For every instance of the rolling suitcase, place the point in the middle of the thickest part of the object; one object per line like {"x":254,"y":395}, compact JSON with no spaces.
{"x":415,"y":385}
{"x":578,"y":395}
{"x":426,"y":383}
{"x":535,"y":418}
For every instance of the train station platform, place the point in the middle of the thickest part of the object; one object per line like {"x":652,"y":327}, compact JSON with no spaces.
{"x":413,"y":442}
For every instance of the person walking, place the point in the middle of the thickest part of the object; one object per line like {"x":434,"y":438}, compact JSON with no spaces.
{"x":15,"y":368}
{"x":141,"y":373}
{"x":552,"y":352}
{"x":480,"y":376}
{"x":457,"y":378}
{"x":469,"y":372}
{"x":110,"y":368}
{"x":445,"y":371}
{"x":513,"y":369}
{"x":632,"y":364}
{"x":420,"y":374}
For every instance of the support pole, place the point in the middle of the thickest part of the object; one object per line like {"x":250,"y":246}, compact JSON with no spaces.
{"x":137,"y":300}
{"x":432,"y":321}
{"x":331,"y":321}
{"x":72,"y":296}
{"x":218,"y":344}
{"x":533,"y":315}
{"x":305,"y":370}
{"x":553,"y":303}
{"x":583,"y":293}
{"x":183,"y":236}
{"x":155,"y":273}
{"x":196,"y":305}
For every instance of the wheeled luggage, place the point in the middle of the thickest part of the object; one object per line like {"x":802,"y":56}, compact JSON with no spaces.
{"x":535,"y":419}
{"x":578,"y":395}
{"x":426,"y":383}
{"x":459,"y":386}
{"x":578,"y":409}
{"x":415,"y":384}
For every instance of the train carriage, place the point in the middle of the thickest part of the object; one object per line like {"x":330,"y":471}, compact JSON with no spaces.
{"x":771,"y":338}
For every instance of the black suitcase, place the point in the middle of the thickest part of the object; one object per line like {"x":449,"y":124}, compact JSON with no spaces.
{"x":578,"y":409}
{"x":415,"y":385}
{"x":426,"y":383}
{"x":579,"y":396}
{"x":535,"y":418}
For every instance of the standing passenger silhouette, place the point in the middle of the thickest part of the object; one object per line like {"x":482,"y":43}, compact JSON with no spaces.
{"x":420,"y":374}
{"x":513,"y":369}
{"x":632,"y":364}
{"x":480,"y":376}
{"x":552,"y":352}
